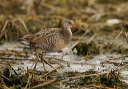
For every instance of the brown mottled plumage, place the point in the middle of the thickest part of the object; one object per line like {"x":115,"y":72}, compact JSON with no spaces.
{"x":50,"y":40}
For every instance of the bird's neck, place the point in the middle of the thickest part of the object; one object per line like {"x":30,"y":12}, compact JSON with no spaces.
{"x":67,"y":34}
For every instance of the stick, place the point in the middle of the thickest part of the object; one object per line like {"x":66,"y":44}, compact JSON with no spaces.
{"x":125,"y":34}
{"x":99,"y":87}
{"x":24,"y":25}
{"x":73,"y":78}
{"x":3,"y":29}
{"x":51,"y":71}
{"x":118,"y":66}
{"x":82,"y":76}
{"x":113,"y":41}
{"x":74,"y":44}
{"x":118,"y":57}
{"x":12,"y":53}
{"x":50,"y":65}
{"x":92,"y":37}
{"x":44,"y":84}
{"x":28,"y":82}
{"x":70,"y":78}
{"x":4,"y":77}
{"x":63,"y":61}
{"x":12,"y":68}
{"x":7,"y":58}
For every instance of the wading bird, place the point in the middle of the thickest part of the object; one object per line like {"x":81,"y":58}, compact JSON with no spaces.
{"x":50,"y":40}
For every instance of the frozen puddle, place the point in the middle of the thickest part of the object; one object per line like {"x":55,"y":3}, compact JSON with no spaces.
{"x":72,"y":62}
{"x":76,"y":63}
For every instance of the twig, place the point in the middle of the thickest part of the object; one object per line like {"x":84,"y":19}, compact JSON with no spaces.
{"x":82,"y":76}
{"x":66,"y":79}
{"x":51,"y":71}
{"x":28,"y":82}
{"x":118,"y":66}
{"x":12,"y":68}
{"x":23,"y":23}
{"x":44,"y":84}
{"x":98,"y":86}
{"x":113,"y":41}
{"x":74,"y":44}
{"x":4,"y":77}
{"x":76,"y":77}
{"x":13,"y":53}
{"x":7,"y":58}
{"x":125,"y":34}
{"x":3,"y":29}
{"x":63,"y":61}
{"x":73,"y":78}
{"x":6,"y":36}
{"x":118,"y":57}
{"x":92,"y":37}
{"x":50,"y":65}
{"x":121,"y":68}
{"x":51,"y":6}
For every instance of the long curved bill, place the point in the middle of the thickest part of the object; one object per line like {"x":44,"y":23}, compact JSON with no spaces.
{"x":74,"y":25}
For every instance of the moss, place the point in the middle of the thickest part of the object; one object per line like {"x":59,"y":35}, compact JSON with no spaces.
{"x":87,"y":49}
{"x":111,"y":1}
{"x":88,"y":56}
{"x":14,"y":79}
{"x":117,"y":49}
{"x":16,"y":87}
{"x":87,"y":80}
{"x":110,"y":80}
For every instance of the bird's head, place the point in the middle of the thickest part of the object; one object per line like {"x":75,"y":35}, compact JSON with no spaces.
{"x":70,"y":23}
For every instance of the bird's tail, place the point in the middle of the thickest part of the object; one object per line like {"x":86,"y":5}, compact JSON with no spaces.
{"x":25,"y":39}
{"x":21,"y":39}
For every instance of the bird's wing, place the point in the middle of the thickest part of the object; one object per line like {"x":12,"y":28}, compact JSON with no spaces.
{"x":44,"y":35}
{"x":25,"y":38}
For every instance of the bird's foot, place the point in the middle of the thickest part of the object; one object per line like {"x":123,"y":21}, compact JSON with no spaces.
{"x":35,"y":63}
{"x":44,"y":65}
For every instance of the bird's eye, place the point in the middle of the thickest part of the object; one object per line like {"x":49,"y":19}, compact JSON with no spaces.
{"x":70,"y":22}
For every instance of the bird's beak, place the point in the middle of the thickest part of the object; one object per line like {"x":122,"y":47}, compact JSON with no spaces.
{"x":74,"y":25}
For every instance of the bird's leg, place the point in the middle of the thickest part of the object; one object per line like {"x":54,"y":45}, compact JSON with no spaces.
{"x":37,"y":59}
{"x":42,"y":60}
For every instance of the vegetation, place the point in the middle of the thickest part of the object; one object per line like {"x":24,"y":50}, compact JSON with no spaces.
{"x":105,"y":21}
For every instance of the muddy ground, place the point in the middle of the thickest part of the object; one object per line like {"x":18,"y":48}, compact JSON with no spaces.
{"x":95,"y":59}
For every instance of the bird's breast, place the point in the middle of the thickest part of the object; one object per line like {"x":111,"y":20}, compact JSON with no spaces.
{"x":60,"y":45}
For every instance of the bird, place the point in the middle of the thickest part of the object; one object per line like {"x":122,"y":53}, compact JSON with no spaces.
{"x":51,"y":39}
